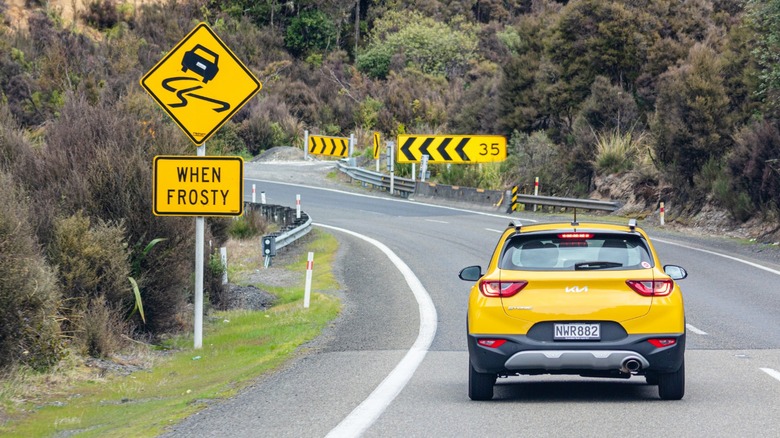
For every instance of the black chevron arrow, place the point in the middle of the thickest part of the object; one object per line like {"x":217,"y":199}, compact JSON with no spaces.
{"x":406,"y":146}
{"x":343,"y":148}
{"x":312,"y":144}
{"x":424,"y":147}
{"x":442,"y":149}
{"x":333,"y":143}
{"x":459,"y":149}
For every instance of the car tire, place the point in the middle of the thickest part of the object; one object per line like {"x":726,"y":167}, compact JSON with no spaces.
{"x":671,"y":386}
{"x":652,"y":379}
{"x":480,"y":384}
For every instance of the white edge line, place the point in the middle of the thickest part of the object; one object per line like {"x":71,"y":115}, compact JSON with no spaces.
{"x":482,"y":213}
{"x":365,"y":414}
{"x":495,"y":231}
{"x":755,"y":265}
{"x":695,"y":330}
{"x":771,"y":372}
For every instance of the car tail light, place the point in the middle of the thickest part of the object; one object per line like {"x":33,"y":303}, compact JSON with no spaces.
{"x":501,"y":289}
{"x":491,"y":343}
{"x":662,"y":342}
{"x":651,"y":288}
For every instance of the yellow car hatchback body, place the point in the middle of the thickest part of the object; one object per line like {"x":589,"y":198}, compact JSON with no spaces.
{"x":587,"y":299}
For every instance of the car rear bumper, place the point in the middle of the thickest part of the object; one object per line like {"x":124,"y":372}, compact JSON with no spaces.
{"x":522,"y":355}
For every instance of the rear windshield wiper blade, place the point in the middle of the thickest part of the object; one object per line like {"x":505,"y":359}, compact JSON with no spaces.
{"x":596,"y":265}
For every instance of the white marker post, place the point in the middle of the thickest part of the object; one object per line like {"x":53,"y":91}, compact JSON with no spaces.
{"x":199,"y":243}
{"x":536,"y":189}
{"x":662,"y":212}
{"x":254,"y":196}
{"x":297,"y":206}
{"x":262,"y":198}
{"x":223,"y":258}
{"x":306,"y":145}
{"x":309,"y":268}
{"x":391,"y":165}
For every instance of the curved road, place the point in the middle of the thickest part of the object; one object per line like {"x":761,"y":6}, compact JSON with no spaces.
{"x":732,"y":359}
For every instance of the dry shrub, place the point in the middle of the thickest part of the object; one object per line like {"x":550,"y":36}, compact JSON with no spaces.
{"x":97,"y":159}
{"x":29,"y":333}
{"x":93,"y":268}
{"x":102,"y":328}
{"x":92,"y":259}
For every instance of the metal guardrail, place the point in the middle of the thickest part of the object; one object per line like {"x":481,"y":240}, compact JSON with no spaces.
{"x":407,"y":186}
{"x":585,"y":204}
{"x":292,"y":228}
{"x":403,"y":186}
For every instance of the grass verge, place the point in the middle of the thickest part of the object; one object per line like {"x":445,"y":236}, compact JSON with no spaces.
{"x":238,"y":346}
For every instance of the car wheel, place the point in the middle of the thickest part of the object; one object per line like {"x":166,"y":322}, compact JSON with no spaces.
{"x":480,"y":384}
{"x":671,"y":386}
{"x":652,"y":379}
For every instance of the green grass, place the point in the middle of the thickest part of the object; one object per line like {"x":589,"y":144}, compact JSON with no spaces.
{"x":238,"y":346}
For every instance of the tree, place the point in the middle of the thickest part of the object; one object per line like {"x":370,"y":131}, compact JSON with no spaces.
{"x":764,"y":16}
{"x":595,"y":37}
{"x":311,"y":30}
{"x":691,"y":122}
{"x":422,"y":42}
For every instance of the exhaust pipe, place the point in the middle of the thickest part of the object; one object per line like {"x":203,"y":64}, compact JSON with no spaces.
{"x":631,"y":366}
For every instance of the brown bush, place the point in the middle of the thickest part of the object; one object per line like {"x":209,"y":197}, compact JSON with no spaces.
{"x":93,"y":267}
{"x":29,"y":333}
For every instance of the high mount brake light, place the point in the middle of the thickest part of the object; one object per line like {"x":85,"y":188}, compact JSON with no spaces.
{"x":503,"y":289}
{"x":651,"y":288}
{"x":577,"y":236}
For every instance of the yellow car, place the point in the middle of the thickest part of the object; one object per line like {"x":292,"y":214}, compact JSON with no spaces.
{"x":587,"y":299}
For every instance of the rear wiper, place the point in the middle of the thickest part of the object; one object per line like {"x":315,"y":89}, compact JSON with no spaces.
{"x":596,"y":265}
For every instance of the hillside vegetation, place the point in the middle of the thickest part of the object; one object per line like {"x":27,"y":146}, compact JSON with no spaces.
{"x":682,"y":98}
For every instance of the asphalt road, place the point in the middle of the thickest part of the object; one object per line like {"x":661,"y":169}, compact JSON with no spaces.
{"x":732,"y":360}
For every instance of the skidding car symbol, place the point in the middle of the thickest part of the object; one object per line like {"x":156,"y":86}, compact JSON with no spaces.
{"x":194,"y":60}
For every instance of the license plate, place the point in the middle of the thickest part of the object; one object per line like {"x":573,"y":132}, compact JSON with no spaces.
{"x":577,"y":331}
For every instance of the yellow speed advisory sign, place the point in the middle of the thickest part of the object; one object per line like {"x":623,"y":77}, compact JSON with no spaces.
{"x":200,"y":83}
{"x":198,"y":186}
{"x":451,"y":148}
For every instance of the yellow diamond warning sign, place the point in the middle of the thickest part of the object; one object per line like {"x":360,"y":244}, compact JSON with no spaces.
{"x":198,"y":186}
{"x":201,"y":83}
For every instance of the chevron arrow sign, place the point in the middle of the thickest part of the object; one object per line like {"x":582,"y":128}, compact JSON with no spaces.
{"x":451,"y":148}
{"x":333,"y":146}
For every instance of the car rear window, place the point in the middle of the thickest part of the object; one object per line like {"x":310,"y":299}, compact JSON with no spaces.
{"x":574,"y":251}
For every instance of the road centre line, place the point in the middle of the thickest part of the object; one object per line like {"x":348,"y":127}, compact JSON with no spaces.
{"x":495,"y":231}
{"x":367,"y":412}
{"x":434,"y":220}
{"x":695,"y":330}
{"x":774,"y":373}
{"x":755,"y":265}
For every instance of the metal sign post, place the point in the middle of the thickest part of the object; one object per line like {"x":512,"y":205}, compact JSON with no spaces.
{"x":199,"y":257}
{"x":391,"y":165}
